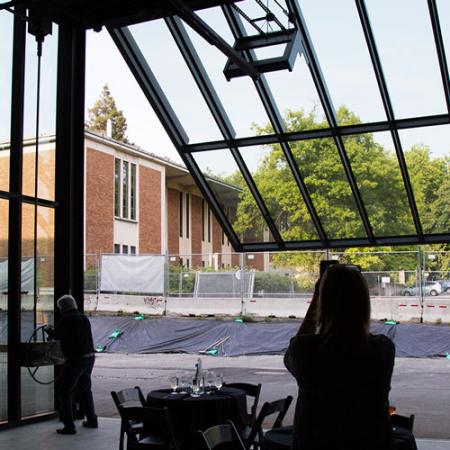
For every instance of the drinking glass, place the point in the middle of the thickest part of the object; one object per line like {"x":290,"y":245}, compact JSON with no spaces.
{"x":210,"y":379}
{"x":184,"y":384}
{"x":218,"y":381}
{"x":195,"y":388}
{"x":174,"y":382}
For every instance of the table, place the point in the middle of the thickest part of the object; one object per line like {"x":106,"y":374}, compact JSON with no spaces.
{"x":278,"y":439}
{"x":190,"y":414}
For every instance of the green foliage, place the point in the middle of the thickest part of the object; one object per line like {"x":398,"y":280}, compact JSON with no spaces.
{"x":105,"y":109}
{"x":378,"y":177}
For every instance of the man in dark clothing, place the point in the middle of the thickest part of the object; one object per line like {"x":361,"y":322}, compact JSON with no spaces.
{"x":74,"y":332}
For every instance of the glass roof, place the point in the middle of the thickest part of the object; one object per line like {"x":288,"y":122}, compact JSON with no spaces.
{"x":307,"y":123}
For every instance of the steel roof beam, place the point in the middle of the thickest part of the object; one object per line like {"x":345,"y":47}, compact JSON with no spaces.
{"x":327,"y":104}
{"x":276,"y":121}
{"x":440,"y":49}
{"x":208,"y":92}
{"x":204,"y":30}
{"x":346,"y":130}
{"x":376,"y":62}
{"x":152,"y":90}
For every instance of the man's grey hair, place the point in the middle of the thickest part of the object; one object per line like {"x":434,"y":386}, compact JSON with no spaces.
{"x":67,"y":303}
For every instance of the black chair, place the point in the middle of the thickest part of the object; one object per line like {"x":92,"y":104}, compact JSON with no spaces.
{"x":406,"y":422}
{"x":254,"y":437}
{"x":158,"y":431}
{"x":251,"y":390}
{"x":224,"y":436}
{"x":127,"y":398}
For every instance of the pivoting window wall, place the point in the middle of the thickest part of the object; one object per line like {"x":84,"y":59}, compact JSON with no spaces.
{"x":344,"y":142}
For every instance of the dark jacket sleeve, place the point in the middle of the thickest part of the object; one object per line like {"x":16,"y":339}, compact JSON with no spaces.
{"x":292,"y":356}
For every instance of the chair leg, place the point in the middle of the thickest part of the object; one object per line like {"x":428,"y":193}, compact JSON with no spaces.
{"x":121,"y":436}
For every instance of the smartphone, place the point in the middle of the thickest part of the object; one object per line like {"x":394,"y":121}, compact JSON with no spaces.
{"x":325,"y":264}
{"x":353,"y":266}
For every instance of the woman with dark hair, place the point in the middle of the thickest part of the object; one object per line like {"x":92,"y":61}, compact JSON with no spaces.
{"x":343,"y":372}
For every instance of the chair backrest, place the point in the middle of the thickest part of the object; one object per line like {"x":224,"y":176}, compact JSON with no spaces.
{"x":221,"y":436}
{"x":128,"y":397}
{"x":278,"y":406}
{"x":403,"y":421}
{"x":251,"y":390}
{"x":156,"y":421}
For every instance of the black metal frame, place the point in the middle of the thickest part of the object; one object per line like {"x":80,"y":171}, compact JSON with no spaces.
{"x":69,"y":189}
{"x":336,"y":132}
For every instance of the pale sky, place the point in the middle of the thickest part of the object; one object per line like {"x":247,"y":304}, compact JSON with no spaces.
{"x":404,"y":40}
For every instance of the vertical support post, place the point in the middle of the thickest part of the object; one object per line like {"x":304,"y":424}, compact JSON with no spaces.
{"x":420,"y":282}
{"x":15,"y":222}
{"x":242,"y":273}
{"x":69,"y":218}
{"x":166,"y":281}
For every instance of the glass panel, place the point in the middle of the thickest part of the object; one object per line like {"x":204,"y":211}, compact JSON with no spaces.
{"x":238,"y":96}
{"x":255,"y":11}
{"x":405,"y":42}
{"x":176,"y":81}
{"x":117,"y":187}
{"x":340,"y":45}
{"x":47,"y":118}
{"x":322,"y":170}
{"x":444,"y":19}
{"x":280,"y":192}
{"x":125,"y":177}
{"x":377,"y":172}
{"x":36,"y":398}
{"x":3,"y":309}
{"x":427,"y":154}
{"x":230,"y":189}
{"x":295,"y":94}
{"x":133,"y":192}
{"x":6,"y":30}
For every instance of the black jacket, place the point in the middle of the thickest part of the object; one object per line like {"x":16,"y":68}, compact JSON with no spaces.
{"x":74,"y":332}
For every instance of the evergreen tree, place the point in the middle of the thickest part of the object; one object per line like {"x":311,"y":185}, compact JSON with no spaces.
{"x":105,"y":109}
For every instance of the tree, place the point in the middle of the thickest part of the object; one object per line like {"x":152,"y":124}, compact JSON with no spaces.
{"x":105,"y":109}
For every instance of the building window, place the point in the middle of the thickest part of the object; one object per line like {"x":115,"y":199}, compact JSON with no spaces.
{"x":132,"y":250}
{"x":187,"y":215}
{"x":125,"y":186}
{"x":133,"y":193}
{"x":223,"y":238}
{"x":187,"y":263}
{"x":117,"y":187}
{"x":209,"y":224}
{"x":180,"y":214}
{"x":203,"y":219}
{"x":117,"y":249}
{"x":125,"y":249}
{"x":125,"y":189}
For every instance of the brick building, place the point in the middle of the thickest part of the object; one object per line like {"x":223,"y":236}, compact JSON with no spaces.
{"x":135,"y":203}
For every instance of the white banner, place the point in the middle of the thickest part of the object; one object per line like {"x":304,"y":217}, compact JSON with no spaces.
{"x":133,"y":273}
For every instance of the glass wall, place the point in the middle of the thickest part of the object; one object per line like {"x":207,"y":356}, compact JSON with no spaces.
{"x":3,"y":309}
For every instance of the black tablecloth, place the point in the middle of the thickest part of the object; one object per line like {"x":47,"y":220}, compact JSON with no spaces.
{"x":190,"y":414}
{"x":278,"y":439}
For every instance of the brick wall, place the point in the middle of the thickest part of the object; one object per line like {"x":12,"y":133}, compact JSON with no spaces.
{"x":196,"y":232}
{"x":149,"y":210}
{"x":99,"y":202}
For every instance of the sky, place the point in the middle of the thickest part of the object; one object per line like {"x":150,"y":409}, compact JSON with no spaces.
{"x":404,"y":39}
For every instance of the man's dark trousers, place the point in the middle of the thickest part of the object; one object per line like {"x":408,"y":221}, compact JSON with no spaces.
{"x":76,"y":375}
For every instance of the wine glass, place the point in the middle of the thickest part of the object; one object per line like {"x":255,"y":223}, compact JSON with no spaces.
{"x":174,"y":384}
{"x":218,"y":381}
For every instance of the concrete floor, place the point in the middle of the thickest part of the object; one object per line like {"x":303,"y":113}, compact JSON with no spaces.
{"x":42,"y":435}
{"x":419,"y":386}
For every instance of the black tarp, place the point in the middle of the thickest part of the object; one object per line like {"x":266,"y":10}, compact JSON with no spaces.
{"x":164,"y":335}
{"x":235,"y":339}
